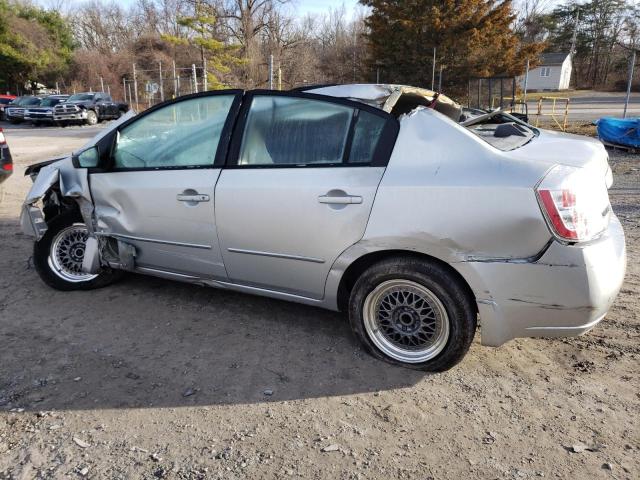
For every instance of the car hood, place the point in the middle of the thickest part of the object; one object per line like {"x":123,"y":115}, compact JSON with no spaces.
{"x":556,"y":148}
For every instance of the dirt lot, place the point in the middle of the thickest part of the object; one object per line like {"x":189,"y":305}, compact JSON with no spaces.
{"x":155,"y":379}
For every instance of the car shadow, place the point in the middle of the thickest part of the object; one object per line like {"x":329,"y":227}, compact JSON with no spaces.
{"x":150,"y":342}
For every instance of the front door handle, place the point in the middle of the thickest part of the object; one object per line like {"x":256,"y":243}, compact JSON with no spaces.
{"x":340,"y":200}
{"x":192,"y":197}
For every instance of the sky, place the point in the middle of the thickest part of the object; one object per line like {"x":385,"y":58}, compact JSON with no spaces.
{"x":301,"y":7}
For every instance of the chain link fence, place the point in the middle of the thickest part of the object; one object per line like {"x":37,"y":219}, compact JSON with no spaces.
{"x":147,"y":87}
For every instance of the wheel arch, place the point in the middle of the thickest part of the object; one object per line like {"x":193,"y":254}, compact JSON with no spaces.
{"x":356,"y":267}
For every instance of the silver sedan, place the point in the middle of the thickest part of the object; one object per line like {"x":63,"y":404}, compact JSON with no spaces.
{"x":394,"y":204}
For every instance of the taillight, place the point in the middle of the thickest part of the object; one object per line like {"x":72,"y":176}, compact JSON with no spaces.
{"x":7,"y":167}
{"x":575,"y":203}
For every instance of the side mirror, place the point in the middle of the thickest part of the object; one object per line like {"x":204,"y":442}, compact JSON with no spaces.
{"x":88,"y":158}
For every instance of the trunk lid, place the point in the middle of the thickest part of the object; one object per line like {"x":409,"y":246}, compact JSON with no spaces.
{"x":558,"y":148}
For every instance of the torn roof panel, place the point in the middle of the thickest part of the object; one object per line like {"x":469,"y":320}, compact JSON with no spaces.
{"x":386,"y":96}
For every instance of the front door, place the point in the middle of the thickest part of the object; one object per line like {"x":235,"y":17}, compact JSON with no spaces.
{"x":300,"y":188}
{"x":157,"y":193}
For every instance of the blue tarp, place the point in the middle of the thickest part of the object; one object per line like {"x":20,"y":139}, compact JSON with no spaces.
{"x":620,"y":131}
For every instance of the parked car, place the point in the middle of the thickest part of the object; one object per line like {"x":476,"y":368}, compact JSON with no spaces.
{"x":14,"y":112}
{"x":370,"y":199}
{"x":89,"y":108}
{"x":4,"y":101}
{"x":6,"y":163}
{"x":43,"y":113}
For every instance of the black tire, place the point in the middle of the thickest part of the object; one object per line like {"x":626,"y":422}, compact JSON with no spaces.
{"x":459,"y":306}
{"x":41,"y":254}
{"x":92,"y":118}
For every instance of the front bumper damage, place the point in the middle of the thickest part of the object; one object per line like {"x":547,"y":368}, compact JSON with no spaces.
{"x":61,"y":179}
{"x":57,"y":181}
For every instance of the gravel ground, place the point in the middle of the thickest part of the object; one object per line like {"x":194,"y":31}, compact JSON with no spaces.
{"x":154,"y":379}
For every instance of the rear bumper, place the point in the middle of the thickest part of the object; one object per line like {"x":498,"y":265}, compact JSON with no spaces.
{"x":564,"y":293}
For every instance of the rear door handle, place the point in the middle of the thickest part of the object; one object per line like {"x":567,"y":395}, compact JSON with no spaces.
{"x":198,"y":197}
{"x":341,"y":200}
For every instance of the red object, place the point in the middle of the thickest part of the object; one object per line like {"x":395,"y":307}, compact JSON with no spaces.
{"x":568,"y":199}
{"x":10,"y":97}
{"x":7,"y":167}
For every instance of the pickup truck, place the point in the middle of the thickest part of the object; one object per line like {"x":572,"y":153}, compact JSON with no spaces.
{"x":43,"y":112}
{"x":14,"y":112}
{"x":89,"y":108}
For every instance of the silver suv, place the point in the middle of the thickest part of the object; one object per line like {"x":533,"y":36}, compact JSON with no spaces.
{"x":391,"y":203}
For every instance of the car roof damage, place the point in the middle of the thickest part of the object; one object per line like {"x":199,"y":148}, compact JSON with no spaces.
{"x":399,"y":100}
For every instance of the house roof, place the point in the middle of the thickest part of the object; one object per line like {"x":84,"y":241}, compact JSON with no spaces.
{"x":550,"y":59}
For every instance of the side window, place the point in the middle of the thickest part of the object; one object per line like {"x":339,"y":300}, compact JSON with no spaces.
{"x":366,"y":136}
{"x":295,"y":131}
{"x":182,"y":134}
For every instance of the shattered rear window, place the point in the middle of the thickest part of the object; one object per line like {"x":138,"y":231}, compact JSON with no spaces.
{"x":502,"y":131}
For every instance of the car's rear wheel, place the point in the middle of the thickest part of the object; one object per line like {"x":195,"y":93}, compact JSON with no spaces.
{"x":58,"y":256}
{"x":92,"y":117}
{"x":413,"y":313}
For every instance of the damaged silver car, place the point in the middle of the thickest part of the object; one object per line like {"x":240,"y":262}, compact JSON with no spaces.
{"x":391,"y":203}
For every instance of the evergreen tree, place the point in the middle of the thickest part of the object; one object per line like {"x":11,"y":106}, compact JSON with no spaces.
{"x":36,"y":45}
{"x":203,"y":32}
{"x":473,"y":38}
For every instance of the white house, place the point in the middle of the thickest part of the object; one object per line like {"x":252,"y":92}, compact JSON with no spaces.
{"x":552,"y":73}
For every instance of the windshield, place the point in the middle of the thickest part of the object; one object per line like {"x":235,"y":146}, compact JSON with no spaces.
{"x":50,"y":102}
{"x":80,"y":97}
{"x":30,"y":101}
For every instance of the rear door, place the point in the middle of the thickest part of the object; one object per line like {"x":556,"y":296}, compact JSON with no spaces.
{"x":299,"y":187}
{"x":157,"y":193}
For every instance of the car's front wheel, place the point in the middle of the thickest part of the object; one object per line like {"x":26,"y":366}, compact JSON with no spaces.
{"x":92,"y":118}
{"x":58,"y":256}
{"x":413,"y":313}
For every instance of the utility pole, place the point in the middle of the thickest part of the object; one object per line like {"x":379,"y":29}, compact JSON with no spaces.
{"x":526,"y":79}
{"x":574,"y":39}
{"x":433,"y":70}
{"x":175,"y":81}
{"x":195,"y":78}
{"x":124,"y":90}
{"x":355,"y":45}
{"x":161,"y":82}
{"x":279,"y":78}
{"x":205,"y":80}
{"x":440,"y":79}
{"x":632,"y":64}
{"x":135,"y":84}
{"x":271,"y":72}
{"x":101,"y":84}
